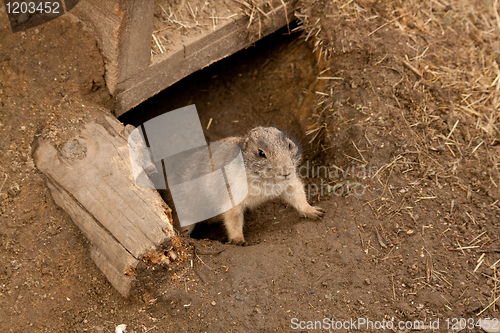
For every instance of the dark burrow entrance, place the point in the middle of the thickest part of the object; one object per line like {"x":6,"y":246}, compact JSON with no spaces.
{"x":267,"y":84}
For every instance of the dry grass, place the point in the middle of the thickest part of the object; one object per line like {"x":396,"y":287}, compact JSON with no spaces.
{"x":449,"y":49}
{"x":174,"y":21}
{"x":471,"y":68}
{"x":465,"y":70}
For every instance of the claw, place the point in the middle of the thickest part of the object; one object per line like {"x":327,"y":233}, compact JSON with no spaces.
{"x":315,"y":212}
{"x":238,"y":243}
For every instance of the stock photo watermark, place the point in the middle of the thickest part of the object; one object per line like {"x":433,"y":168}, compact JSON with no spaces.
{"x":332,"y":180}
{"x":336,"y":180}
{"x":24,"y":15}
{"x":364,"y":323}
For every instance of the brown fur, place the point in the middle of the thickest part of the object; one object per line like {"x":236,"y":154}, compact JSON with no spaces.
{"x":271,"y":159}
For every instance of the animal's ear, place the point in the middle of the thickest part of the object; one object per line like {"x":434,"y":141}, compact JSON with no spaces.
{"x":247,"y":140}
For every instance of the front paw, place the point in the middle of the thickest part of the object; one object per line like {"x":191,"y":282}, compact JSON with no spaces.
{"x":313,"y":212}
{"x":239,"y":243}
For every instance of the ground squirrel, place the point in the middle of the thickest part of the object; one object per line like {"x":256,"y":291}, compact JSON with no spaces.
{"x":271,"y":159}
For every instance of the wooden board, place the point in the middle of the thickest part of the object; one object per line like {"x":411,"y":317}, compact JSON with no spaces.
{"x":124,"y":28}
{"x":91,"y":179}
{"x":206,"y":49}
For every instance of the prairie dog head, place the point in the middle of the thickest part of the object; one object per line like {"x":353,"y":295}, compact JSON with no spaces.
{"x":270,"y":154}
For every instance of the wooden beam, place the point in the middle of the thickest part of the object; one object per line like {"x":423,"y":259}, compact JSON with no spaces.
{"x":123,"y":30}
{"x":135,"y":41}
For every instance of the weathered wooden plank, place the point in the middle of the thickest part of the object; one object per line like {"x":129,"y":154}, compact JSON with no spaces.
{"x":113,"y":181}
{"x":81,"y":183}
{"x":120,"y":281}
{"x":135,"y":41}
{"x":91,"y":179}
{"x":150,"y":200}
{"x":123,"y":30}
{"x":104,"y":19}
{"x":101,"y":239}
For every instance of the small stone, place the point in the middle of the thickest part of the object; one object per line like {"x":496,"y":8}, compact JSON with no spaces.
{"x":121,"y":328}
{"x":30,"y":164}
{"x":368,"y":281}
{"x":172,"y":255}
{"x":46,"y":270}
{"x":3,"y":196}
{"x":213,"y":303}
{"x":52,"y":230}
{"x":14,"y":190}
{"x":353,"y":85}
{"x":4,"y":57}
{"x":489,"y":325}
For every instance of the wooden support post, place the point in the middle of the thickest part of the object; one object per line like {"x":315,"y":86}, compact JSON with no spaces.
{"x":123,"y":30}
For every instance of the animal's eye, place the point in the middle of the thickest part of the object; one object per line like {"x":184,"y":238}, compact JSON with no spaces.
{"x":261,"y":153}
{"x":289,"y":145}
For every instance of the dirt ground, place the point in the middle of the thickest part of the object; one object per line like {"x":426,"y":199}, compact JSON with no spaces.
{"x":411,"y":231}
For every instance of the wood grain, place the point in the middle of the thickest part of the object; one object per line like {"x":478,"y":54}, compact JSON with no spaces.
{"x":91,"y":179}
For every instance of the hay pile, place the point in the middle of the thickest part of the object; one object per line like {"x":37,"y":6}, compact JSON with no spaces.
{"x":446,"y":55}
